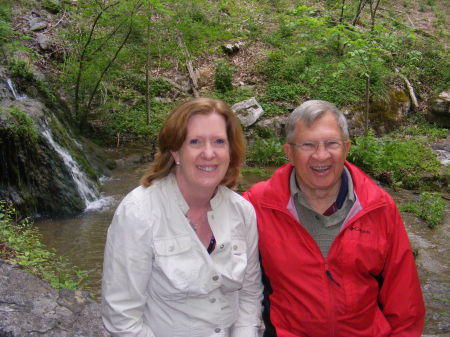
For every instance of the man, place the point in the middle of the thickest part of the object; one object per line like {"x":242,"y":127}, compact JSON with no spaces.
{"x":334,"y":250}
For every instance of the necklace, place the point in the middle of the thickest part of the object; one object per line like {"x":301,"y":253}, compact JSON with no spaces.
{"x":195,"y":222}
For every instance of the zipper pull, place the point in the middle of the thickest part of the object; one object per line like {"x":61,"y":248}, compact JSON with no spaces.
{"x":331,"y":277}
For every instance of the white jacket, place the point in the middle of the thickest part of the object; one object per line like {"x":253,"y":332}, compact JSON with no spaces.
{"x":159,"y":280}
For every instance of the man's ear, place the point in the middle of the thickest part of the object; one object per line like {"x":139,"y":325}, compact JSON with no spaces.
{"x":347,"y":146}
{"x":288,"y":152}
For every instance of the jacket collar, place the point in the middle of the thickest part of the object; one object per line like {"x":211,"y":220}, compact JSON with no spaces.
{"x":278,"y":192}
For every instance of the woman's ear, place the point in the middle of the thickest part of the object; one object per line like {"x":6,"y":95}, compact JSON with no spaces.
{"x":176,"y":157}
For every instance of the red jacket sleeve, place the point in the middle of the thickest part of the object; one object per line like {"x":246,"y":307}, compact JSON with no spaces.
{"x":400,"y":295}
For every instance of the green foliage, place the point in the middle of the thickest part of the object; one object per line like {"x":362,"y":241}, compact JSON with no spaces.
{"x":20,"y":69}
{"x":223,"y":76}
{"x":284,"y":93}
{"x":273,"y":109}
{"x":53,"y":6}
{"x":263,"y":172}
{"x":22,"y":125}
{"x":157,"y":86}
{"x":430,"y":207}
{"x":398,"y":161}
{"x":234,"y":95}
{"x":5,"y":24}
{"x":266,"y":152}
{"x":130,"y":124}
{"x":20,"y":244}
{"x":423,"y":129}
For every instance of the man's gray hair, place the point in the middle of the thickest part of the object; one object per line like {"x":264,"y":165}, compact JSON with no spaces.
{"x":311,"y":110}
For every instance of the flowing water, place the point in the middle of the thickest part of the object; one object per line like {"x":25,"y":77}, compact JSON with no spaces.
{"x":12,"y":88}
{"x":86,"y":188}
{"x":82,"y":240}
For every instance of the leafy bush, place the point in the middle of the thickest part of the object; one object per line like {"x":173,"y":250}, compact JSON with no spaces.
{"x":22,"y":125}
{"x":397,"y":161}
{"x":266,"y":152}
{"x":20,"y":244}
{"x":430,"y":208}
{"x":223,"y":76}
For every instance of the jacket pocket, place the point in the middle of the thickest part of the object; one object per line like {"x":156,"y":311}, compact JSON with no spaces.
{"x":234,"y":271}
{"x":238,"y":247}
{"x":174,"y":267}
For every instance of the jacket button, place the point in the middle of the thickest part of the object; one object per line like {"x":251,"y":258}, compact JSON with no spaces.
{"x":234,"y":247}
{"x":221,"y":246}
{"x":215,"y":278}
{"x":212,"y":300}
{"x":171,"y":248}
{"x":217,"y":330}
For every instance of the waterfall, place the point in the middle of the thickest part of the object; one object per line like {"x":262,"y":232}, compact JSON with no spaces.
{"x":13,"y":90}
{"x":86,"y":188}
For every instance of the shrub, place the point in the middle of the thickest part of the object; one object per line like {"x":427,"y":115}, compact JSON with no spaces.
{"x":266,"y":152}
{"x":223,"y":76}
{"x":397,"y":161}
{"x":430,"y":208}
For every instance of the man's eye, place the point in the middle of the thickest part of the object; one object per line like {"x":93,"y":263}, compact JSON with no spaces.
{"x":308,"y":146}
{"x":333,"y":144}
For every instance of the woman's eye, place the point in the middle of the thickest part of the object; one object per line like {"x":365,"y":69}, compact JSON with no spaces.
{"x":220,"y":141}
{"x":194,"y":142}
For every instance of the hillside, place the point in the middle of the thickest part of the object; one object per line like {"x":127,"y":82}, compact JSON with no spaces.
{"x":281,"y":52}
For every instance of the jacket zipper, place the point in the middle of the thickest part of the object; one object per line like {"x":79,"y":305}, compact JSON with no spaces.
{"x":331,"y":282}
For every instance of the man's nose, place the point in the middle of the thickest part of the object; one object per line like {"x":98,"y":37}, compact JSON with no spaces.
{"x":321,"y":151}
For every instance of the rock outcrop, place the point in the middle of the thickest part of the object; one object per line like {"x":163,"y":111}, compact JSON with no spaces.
{"x":30,"y":307}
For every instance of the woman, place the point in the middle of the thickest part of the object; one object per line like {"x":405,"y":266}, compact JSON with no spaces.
{"x":181,"y":255}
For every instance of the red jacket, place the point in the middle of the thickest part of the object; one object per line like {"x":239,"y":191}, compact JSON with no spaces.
{"x":368,"y":284}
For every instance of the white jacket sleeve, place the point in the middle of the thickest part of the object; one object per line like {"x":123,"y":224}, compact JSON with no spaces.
{"x":249,"y":322}
{"x":126,"y":272}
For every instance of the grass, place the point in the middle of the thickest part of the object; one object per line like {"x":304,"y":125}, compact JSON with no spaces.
{"x":20,"y":244}
{"x":430,"y":207}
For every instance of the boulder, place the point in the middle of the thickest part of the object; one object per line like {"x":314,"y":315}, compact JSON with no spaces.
{"x":31,"y":307}
{"x":248,"y":111}
{"x":439,"y":109}
{"x":43,"y":41}
{"x":232,"y":48}
{"x":275,"y":124}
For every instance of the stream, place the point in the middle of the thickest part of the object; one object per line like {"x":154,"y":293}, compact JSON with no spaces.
{"x":82,"y":240}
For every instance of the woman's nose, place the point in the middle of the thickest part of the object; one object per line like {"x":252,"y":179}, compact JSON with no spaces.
{"x":208,"y":151}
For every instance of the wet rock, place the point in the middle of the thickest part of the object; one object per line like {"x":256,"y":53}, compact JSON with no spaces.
{"x":31,"y":307}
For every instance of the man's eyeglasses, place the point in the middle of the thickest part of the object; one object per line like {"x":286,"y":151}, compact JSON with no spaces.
{"x":310,"y":146}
